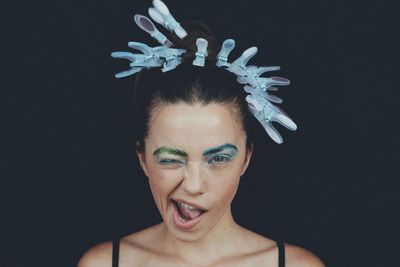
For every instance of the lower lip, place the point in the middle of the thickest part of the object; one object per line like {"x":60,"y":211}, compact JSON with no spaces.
{"x":186,"y":225}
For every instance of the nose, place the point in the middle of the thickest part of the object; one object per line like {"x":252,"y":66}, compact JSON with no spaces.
{"x":194,"y":182}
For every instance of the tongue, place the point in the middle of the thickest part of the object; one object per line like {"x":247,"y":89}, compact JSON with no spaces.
{"x":190,"y":214}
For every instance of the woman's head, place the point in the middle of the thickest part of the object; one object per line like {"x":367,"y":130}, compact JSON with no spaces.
{"x":195,"y":154}
{"x":193,"y":139}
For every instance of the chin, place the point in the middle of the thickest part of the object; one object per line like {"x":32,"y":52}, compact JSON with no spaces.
{"x":187,"y":236}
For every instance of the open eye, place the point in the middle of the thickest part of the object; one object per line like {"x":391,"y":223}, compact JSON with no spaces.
{"x":219,"y":159}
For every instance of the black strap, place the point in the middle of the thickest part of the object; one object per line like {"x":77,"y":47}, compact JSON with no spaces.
{"x":115,"y":253}
{"x":281,"y":251}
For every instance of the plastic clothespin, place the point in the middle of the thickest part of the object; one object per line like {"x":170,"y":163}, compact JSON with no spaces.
{"x":266,"y":113}
{"x":126,"y":55}
{"x":264,"y":116}
{"x":147,"y":25}
{"x":222,"y":58}
{"x":262,"y":83}
{"x":258,"y":71}
{"x":138,"y":61}
{"x":246,"y":56}
{"x":160,"y":13}
{"x":201,"y":52}
{"x":148,"y":59}
{"x":251,"y":90}
{"x":151,"y":57}
{"x":239,"y":65}
{"x":171,"y":57}
{"x":271,"y":81}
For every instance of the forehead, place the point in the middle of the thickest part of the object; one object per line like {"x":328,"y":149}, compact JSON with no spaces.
{"x":194,"y":126}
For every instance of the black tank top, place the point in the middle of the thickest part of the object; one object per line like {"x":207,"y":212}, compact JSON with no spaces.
{"x":280,"y":244}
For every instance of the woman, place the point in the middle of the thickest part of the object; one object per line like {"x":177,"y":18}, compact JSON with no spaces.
{"x":194,"y":144}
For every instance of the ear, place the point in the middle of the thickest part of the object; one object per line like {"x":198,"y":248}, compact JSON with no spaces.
{"x":249,"y":153}
{"x":141,"y":156}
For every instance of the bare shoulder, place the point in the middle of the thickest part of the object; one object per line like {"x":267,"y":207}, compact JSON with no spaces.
{"x":99,"y":255}
{"x":296,"y":256}
{"x":134,"y":249}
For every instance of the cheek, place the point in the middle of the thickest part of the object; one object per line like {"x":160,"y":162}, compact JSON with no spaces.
{"x":230,"y":188}
{"x":163,"y":181}
{"x":225,"y":186}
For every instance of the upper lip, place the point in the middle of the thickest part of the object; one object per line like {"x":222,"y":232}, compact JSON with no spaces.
{"x":189,"y":203}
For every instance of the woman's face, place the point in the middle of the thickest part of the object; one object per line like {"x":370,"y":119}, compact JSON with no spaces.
{"x":194,"y":154}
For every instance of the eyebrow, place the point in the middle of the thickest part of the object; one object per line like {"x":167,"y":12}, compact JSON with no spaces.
{"x":181,"y":153}
{"x":170,"y":150}
{"x":219,"y":149}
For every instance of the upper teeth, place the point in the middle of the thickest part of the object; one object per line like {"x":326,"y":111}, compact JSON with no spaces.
{"x":183,"y":205}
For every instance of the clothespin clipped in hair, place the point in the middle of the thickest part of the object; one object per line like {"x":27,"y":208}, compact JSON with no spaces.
{"x":201,"y":52}
{"x":223,"y":54}
{"x":266,"y":113}
{"x":171,"y":57}
{"x":147,"y":25}
{"x":160,"y":13}
{"x":138,"y":61}
{"x":239,"y":65}
{"x":255,"y":91}
{"x":262,"y":83}
{"x":158,"y":56}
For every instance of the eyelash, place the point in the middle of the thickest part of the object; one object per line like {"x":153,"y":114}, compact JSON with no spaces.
{"x":225,"y":159}
{"x":173,"y":161}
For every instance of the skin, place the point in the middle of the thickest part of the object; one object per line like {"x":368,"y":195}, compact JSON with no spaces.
{"x":204,"y":169}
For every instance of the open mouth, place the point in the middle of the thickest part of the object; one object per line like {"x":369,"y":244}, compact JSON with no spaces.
{"x":187,"y":212}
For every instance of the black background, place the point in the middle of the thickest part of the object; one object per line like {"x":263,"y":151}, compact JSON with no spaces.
{"x":69,"y":173}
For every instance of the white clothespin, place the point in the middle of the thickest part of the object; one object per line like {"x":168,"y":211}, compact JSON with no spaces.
{"x":160,"y":13}
{"x":201,"y":52}
{"x":223,"y":54}
{"x":147,"y":25}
